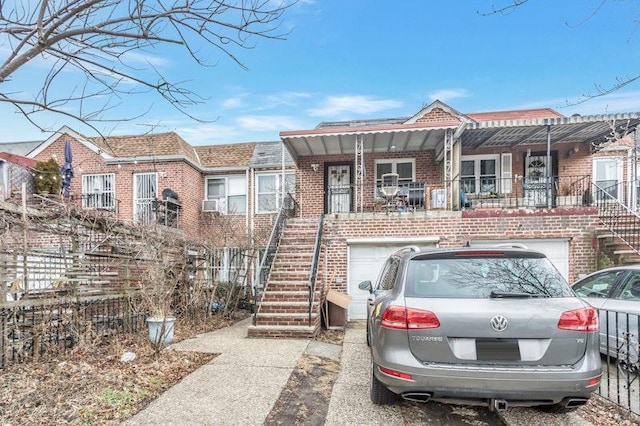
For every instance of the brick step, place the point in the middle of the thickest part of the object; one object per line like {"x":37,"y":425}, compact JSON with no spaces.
{"x":283,"y":265}
{"x":299,"y":260}
{"x":286,"y":319}
{"x":290,"y":274}
{"x":301,"y":308}
{"x":298,"y":245}
{"x":291,"y":332}
{"x":300,"y":285}
{"x":282,"y":296}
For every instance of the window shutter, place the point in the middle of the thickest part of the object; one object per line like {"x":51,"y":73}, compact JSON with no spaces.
{"x":505,"y":172}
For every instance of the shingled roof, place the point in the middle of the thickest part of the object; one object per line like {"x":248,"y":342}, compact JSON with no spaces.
{"x":168,"y":144}
{"x":229,"y":155}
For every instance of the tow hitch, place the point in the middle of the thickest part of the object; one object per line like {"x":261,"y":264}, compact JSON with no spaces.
{"x":498,"y":405}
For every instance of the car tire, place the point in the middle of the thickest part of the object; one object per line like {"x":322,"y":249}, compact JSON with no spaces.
{"x":379,"y":393}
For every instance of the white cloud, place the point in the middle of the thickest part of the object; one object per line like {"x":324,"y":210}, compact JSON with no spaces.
{"x":235,"y":102}
{"x":610,"y":104}
{"x":144,"y":58}
{"x":340,"y":105}
{"x":445,"y":95}
{"x":210,"y":133}
{"x":284,"y":99}
{"x":262,"y":123}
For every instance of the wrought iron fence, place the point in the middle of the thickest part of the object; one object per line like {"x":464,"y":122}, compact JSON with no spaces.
{"x":38,"y":328}
{"x":620,"y":350}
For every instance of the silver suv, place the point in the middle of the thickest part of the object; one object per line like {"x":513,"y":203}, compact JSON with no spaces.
{"x":491,"y":326}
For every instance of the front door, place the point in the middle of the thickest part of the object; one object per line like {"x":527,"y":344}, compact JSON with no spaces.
{"x":339,"y":188}
{"x":538,"y":179}
{"x":144,"y":197}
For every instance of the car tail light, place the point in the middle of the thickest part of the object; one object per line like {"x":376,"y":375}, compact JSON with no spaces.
{"x":585,"y":319}
{"x":395,"y":373}
{"x":401,"y":318}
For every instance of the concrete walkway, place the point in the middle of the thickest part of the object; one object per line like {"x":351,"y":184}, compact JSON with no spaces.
{"x":241,"y":385}
{"x":238,"y":387}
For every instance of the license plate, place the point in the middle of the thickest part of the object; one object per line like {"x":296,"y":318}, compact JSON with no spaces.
{"x":497,"y":350}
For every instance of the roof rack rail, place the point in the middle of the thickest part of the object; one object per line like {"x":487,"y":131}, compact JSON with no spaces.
{"x":510,"y":245}
{"x":413,"y":249}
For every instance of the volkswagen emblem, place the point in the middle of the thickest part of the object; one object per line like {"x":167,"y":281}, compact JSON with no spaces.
{"x":499,"y":323}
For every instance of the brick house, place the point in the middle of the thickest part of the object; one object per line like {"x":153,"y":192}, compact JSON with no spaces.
{"x":363,"y":189}
{"x":443,"y":178}
{"x":223,"y":195}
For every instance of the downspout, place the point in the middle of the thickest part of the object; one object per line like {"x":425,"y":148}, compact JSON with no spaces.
{"x":456,"y":156}
{"x":251,"y":175}
{"x":549,"y":187}
{"x":283,"y":189}
{"x":634,"y":171}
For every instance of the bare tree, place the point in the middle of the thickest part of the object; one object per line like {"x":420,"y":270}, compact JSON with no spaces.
{"x":509,"y":6}
{"x":110,"y":48}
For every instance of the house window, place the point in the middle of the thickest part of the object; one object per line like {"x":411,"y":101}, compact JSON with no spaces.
{"x":607,"y":176}
{"x":405,"y":168}
{"x":231,"y":193}
{"x":98,"y":191}
{"x":479,"y":174}
{"x":269,"y":191}
{"x":228,"y":264}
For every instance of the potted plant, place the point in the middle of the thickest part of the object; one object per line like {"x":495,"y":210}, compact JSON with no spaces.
{"x":158,"y":263}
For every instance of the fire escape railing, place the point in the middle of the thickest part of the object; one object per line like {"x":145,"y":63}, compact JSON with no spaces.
{"x":287,"y":209}
{"x":314,"y":266}
{"x":614,"y":212}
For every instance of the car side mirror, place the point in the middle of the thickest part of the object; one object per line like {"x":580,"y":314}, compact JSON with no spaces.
{"x":366,"y":285}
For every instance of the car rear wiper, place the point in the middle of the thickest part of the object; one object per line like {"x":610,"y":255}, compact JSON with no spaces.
{"x":515,"y":295}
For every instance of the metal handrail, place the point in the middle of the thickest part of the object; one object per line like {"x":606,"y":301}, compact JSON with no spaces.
{"x":268,"y":257}
{"x":616,"y":215}
{"x":314,"y":265}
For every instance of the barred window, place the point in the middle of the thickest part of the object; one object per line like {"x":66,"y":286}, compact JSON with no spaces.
{"x":98,"y":191}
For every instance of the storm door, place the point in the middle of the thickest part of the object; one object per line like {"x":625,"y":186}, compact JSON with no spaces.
{"x":539,"y":181}
{"x":339,"y":188}
{"x":144,"y":197}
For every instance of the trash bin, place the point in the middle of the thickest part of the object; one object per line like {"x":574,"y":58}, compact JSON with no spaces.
{"x":336,"y":307}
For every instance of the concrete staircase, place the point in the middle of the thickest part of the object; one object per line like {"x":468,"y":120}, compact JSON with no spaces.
{"x":284,"y":307}
{"x":615,"y":247}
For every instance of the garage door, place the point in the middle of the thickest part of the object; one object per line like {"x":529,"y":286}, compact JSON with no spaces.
{"x":556,"y":249}
{"x":365,"y":259}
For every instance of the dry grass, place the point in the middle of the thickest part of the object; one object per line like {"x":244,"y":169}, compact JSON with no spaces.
{"x":91,"y":385}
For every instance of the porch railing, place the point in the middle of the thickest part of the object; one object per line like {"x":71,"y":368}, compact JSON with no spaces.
{"x":513,"y":192}
{"x":314,"y":266}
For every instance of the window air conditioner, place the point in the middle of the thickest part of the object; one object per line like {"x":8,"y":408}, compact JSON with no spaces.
{"x":210,"y":205}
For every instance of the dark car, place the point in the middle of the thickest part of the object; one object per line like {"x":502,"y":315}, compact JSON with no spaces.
{"x":491,"y":326}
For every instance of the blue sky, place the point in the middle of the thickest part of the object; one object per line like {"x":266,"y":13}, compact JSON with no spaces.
{"x":354,"y":59}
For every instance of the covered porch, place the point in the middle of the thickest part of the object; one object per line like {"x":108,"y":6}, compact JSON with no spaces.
{"x":458,"y":164}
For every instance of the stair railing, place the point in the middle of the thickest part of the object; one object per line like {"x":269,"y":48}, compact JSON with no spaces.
{"x":287,"y":209}
{"x":314,"y":266}
{"x":615,"y":214}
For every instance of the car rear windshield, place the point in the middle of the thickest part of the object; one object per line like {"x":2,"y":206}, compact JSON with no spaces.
{"x":498,"y":275}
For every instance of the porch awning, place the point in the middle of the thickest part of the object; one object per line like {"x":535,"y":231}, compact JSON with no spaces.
{"x":592,"y":129}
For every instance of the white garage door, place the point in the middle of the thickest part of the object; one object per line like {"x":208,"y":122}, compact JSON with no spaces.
{"x":556,"y":249}
{"x":365,"y":259}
